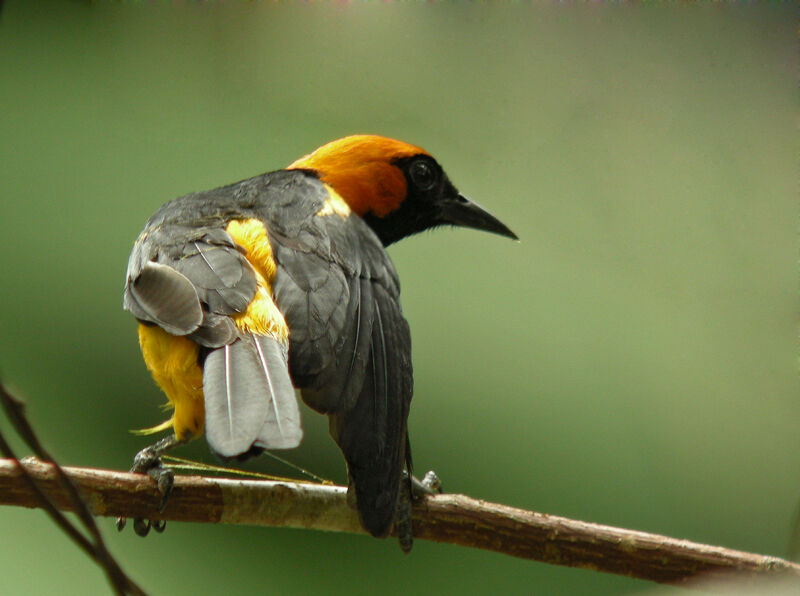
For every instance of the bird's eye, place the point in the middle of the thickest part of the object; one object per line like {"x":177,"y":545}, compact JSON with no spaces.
{"x":422,"y":174}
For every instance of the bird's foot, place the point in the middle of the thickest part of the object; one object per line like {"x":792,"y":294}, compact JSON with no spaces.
{"x":148,"y":461}
{"x":411,"y":490}
{"x":430,"y":484}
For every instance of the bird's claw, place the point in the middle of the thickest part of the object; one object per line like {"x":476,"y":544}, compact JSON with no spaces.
{"x":148,"y":461}
{"x":165,"y":480}
{"x":141,"y":526}
{"x":430,"y":484}
{"x":412,"y":489}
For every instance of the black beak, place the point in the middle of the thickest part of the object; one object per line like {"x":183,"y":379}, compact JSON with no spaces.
{"x":460,"y":211}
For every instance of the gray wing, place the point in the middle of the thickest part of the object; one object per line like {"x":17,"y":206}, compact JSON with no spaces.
{"x":189,"y":280}
{"x":350,"y":349}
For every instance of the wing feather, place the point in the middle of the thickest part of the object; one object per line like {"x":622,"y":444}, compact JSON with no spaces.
{"x":281,"y":428}
{"x":164,"y":296}
{"x":234,"y":402}
{"x":350,"y":351}
{"x":249,"y":398}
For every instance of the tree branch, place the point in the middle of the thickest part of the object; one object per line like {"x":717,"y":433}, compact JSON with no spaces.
{"x":456,"y":519}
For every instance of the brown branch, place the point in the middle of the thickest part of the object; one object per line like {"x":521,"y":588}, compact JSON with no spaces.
{"x":456,"y":519}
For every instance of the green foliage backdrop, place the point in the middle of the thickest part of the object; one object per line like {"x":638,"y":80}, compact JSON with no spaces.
{"x":632,"y":361}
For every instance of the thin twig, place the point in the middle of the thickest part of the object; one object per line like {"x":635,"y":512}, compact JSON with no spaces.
{"x":456,"y":519}
{"x":96,"y":547}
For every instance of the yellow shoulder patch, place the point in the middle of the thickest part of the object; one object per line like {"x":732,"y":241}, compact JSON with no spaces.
{"x":334,"y":204}
{"x":251,"y":235}
{"x":262,"y":315}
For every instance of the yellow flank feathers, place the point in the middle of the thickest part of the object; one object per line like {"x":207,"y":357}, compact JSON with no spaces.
{"x":262,"y":315}
{"x":334,"y":204}
{"x":152,"y":430}
{"x":172,"y":361}
{"x":251,"y":235}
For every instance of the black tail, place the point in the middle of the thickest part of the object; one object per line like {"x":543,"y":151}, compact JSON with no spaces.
{"x":372,"y":433}
{"x":374,"y":475}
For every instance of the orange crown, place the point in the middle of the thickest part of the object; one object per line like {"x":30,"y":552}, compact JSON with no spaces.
{"x":359,"y":168}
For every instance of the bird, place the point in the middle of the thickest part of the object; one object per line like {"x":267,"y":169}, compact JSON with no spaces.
{"x":279,"y":282}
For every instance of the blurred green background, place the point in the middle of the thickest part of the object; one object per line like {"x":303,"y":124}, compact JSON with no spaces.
{"x":633,"y":361}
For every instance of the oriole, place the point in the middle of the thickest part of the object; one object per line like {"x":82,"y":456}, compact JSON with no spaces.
{"x":282,"y":281}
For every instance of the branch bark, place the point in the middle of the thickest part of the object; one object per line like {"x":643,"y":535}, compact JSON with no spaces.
{"x":455,"y":519}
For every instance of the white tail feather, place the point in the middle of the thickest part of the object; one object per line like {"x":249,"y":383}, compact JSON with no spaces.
{"x":249,"y":398}
{"x":281,"y":428}
{"x":272,"y":397}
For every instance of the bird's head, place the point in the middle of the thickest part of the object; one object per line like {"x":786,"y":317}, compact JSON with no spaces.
{"x":397,"y":188}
